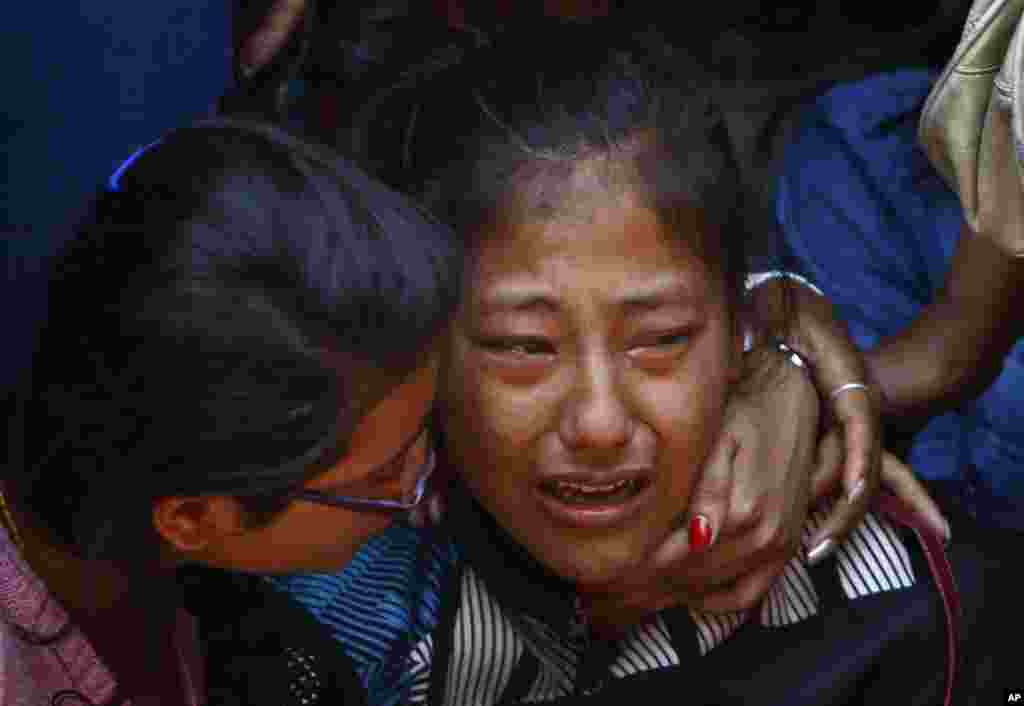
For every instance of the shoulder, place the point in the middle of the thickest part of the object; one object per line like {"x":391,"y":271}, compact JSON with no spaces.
{"x":383,"y":605}
{"x":343,"y":633}
{"x":261,"y":647}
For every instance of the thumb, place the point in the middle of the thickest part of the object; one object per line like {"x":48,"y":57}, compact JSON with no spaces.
{"x":707,"y":510}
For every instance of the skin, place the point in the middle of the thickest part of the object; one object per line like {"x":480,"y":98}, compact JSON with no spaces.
{"x":552,"y":370}
{"x":747,"y":491}
{"x":304,"y":537}
{"x":955,"y":349}
{"x":310,"y":536}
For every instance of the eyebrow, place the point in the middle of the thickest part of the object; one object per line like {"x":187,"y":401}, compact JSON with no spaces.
{"x":663,"y":291}
{"x":670,"y":290}
{"x":519,"y":297}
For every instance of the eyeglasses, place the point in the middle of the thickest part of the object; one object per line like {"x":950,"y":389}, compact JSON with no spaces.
{"x":394,"y":467}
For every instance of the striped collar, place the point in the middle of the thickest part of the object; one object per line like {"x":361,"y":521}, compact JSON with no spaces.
{"x":515,"y":634}
{"x":510,"y":628}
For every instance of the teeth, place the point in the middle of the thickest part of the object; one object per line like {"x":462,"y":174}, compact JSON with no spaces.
{"x":579,"y":492}
{"x":591,"y":489}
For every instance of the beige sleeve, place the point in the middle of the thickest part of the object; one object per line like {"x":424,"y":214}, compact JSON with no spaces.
{"x":970,"y":123}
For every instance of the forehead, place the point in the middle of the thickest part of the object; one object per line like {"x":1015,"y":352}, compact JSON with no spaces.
{"x":621,"y":247}
{"x":568,"y":188}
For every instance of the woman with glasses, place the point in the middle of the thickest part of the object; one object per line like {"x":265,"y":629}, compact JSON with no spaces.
{"x":236,"y":371}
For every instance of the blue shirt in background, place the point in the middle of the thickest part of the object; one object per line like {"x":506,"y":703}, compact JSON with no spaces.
{"x":866,"y":216}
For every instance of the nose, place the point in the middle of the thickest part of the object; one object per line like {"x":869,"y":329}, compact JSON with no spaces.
{"x":595,"y":416}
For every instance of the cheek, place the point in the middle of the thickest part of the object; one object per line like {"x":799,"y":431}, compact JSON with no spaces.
{"x":686,"y":411}
{"x":334,"y":536}
{"x":330,"y":527}
{"x":306,"y":537}
{"x":486,"y":419}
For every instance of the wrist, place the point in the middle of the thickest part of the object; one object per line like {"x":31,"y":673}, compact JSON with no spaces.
{"x":774,"y":302}
{"x":791,"y":355}
{"x":770,"y":361}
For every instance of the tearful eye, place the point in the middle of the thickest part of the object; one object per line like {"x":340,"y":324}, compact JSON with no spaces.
{"x":673,"y":339}
{"x":519,"y":346}
{"x":664,"y":341}
{"x":661,"y":351}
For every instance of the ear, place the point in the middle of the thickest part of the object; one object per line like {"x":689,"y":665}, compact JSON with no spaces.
{"x":190,"y":525}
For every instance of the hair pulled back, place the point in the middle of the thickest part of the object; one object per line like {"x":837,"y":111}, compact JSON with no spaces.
{"x":459,"y":129}
{"x":212,"y":327}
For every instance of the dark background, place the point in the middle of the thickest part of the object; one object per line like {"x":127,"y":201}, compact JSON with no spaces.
{"x":89,"y":81}
{"x":85,"y":83}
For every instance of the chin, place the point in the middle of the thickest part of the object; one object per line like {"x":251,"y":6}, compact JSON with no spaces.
{"x":593,"y":565}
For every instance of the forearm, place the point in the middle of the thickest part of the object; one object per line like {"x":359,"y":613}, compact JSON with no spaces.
{"x":955,"y":348}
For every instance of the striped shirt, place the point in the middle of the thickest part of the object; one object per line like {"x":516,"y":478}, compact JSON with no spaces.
{"x":494,"y":644}
{"x":511,"y":633}
{"x":383,"y":602}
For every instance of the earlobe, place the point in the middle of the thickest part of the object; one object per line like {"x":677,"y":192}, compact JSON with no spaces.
{"x":190,"y":525}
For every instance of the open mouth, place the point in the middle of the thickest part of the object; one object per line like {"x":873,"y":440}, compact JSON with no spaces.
{"x":594,"y":494}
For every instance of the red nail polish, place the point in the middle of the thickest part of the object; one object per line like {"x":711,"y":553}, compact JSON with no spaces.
{"x":700,"y":533}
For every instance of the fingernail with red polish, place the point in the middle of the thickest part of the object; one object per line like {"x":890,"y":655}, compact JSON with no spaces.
{"x":700,"y":533}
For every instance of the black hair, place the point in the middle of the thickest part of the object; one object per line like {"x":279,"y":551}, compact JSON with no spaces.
{"x":215,"y":327}
{"x":457,"y":130}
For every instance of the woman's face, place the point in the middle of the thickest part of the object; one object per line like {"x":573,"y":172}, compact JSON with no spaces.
{"x":589,"y":367}
{"x":309,"y":536}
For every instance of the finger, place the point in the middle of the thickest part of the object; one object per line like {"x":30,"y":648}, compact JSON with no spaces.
{"x":260,"y":47}
{"x":744,"y":593}
{"x":836,"y":362}
{"x":861,"y":471}
{"x":745,"y":508}
{"x":856,"y":411}
{"x":845,"y":515}
{"x":708,"y":507}
{"x":732,"y":558}
{"x":672,"y":551}
{"x":898,"y":478}
{"x":828,"y":466}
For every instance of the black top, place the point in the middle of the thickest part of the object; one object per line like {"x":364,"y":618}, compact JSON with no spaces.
{"x":263,"y":648}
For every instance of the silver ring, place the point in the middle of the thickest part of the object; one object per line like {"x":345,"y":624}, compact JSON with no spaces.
{"x":845,"y":388}
{"x":792,"y":355}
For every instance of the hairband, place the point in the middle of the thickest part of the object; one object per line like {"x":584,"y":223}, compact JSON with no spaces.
{"x":114,"y":183}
